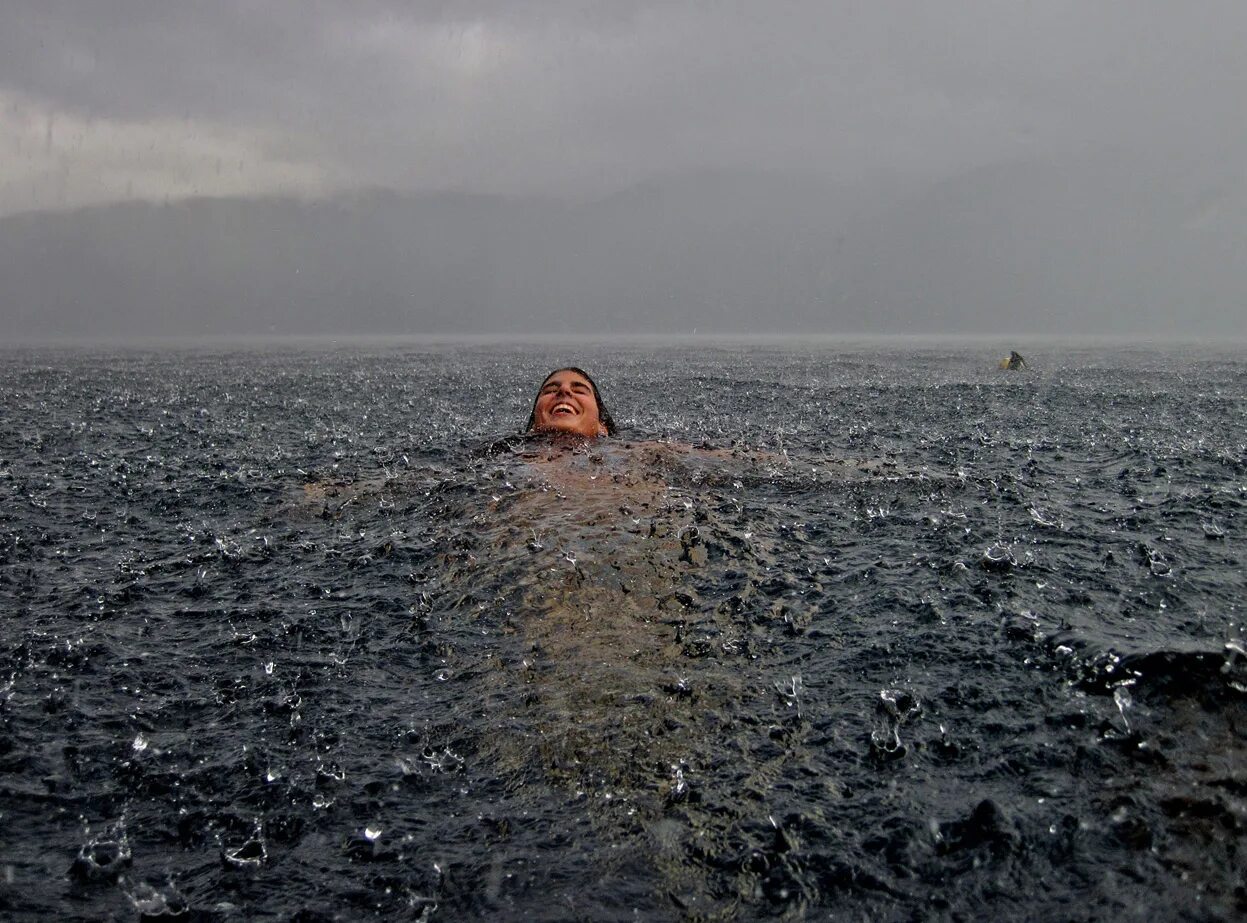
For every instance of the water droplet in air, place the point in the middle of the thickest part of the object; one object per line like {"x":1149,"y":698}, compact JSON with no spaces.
{"x":1123,"y":701}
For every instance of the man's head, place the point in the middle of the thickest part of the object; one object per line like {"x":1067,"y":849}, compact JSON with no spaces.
{"x":568,"y":402}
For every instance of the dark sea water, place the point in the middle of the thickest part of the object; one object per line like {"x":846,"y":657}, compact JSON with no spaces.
{"x":884,"y":633}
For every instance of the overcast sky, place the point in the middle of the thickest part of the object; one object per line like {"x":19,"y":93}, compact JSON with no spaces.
{"x":104,"y":101}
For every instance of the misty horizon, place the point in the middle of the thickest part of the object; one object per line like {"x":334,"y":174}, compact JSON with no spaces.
{"x":274,"y":169}
{"x":1010,"y":251}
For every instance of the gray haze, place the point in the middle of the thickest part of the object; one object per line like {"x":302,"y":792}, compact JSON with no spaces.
{"x":297,"y":167}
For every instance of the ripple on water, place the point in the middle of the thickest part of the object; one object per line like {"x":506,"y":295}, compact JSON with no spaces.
{"x":322,"y":651}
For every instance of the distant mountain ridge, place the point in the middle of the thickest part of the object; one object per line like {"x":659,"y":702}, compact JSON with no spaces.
{"x":1066,"y":249}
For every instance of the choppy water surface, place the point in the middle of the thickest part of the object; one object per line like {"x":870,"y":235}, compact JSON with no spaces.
{"x":882,"y":634}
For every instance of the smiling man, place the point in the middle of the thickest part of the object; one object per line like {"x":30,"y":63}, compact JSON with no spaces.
{"x":568,"y":402}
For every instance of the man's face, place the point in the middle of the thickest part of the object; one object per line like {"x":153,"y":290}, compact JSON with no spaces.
{"x":566,"y":404}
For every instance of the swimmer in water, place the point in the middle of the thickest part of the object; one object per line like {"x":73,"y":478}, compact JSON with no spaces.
{"x":568,"y":402}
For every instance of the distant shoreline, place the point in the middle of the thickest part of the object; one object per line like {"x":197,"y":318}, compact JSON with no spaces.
{"x":804,"y":341}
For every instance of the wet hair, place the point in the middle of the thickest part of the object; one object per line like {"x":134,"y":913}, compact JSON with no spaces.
{"x":603,"y":414}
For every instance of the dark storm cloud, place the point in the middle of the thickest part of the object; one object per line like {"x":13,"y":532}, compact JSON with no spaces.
{"x":545,"y":96}
{"x":865,"y":166}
